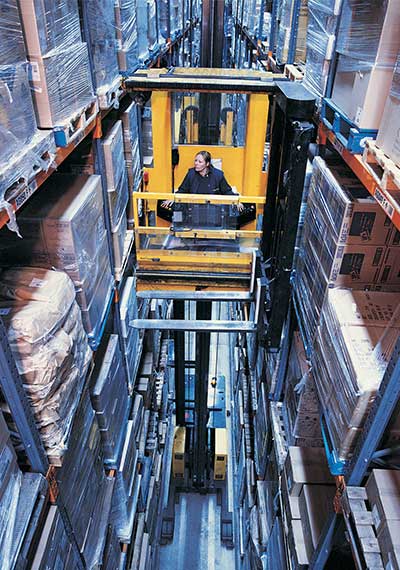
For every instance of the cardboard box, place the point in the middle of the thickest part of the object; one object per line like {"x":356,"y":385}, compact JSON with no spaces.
{"x":383,"y":490}
{"x":61,"y":84}
{"x":306,"y":465}
{"x":389,"y":273}
{"x":354,"y":265}
{"x":389,"y":542}
{"x":316,"y":502}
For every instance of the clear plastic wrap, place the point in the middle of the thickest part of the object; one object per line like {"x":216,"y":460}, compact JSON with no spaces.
{"x":176,"y":17}
{"x":11,"y":37}
{"x":127,"y":38}
{"x":344,"y":235}
{"x":17,"y":117}
{"x":61,"y":83}
{"x":368,"y":31}
{"x":322,"y":22}
{"x":81,"y":477}
{"x":128,"y":312}
{"x":130,"y":121}
{"x":285,"y":31}
{"x":163,"y":21}
{"x":389,"y":130}
{"x":49,"y":344}
{"x":395,"y":88}
{"x":67,"y":232}
{"x":101,"y":21}
{"x":117,"y":184}
{"x":362,"y":327}
{"x":146,"y":28}
{"x":50,"y":25}
{"x":111,"y":401}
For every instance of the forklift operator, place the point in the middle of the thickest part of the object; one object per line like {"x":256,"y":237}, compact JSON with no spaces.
{"x":204,"y":178}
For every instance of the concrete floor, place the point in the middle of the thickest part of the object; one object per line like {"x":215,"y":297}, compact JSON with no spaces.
{"x":196,"y":544}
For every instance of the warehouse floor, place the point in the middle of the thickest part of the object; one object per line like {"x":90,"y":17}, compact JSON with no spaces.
{"x":197,"y":542}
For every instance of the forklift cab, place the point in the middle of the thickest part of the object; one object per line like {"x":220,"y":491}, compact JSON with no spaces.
{"x":202,"y":234}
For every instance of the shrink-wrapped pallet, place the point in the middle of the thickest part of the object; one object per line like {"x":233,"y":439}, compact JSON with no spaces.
{"x":353,"y":345}
{"x":389,"y":130}
{"x":175,"y":18}
{"x":285,"y":32}
{"x":11,"y":37}
{"x":117,"y":188}
{"x":111,"y":401}
{"x":130,"y":123}
{"x":126,"y":34}
{"x":67,"y":231}
{"x":130,"y":335}
{"x":46,"y":336}
{"x":147,"y":28}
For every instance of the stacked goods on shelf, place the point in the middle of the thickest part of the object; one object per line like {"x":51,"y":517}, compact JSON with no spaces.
{"x":383,"y":491}
{"x":101,"y":24}
{"x":127,"y":485}
{"x":321,"y":36}
{"x":22,"y":148}
{"x":353,"y":345}
{"x":163,"y":20}
{"x":367,"y":45}
{"x":112,"y":551}
{"x":46,"y":336}
{"x":60,"y":75}
{"x":146,"y":19}
{"x":287,"y":22}
{"x":275,"y":557}
{"x":67,"y":232}
{"x":111,"y":401}
{"x":130,"y":336}
{"x":389,"y":131}
{"x":344,"y":238}
{"x":303,"y":208}
{"x":54,"y":545}
{"x":127,"y":37}
{"x":307,"y":490}
{"x":130,"y":122}
{"x":117,"y":190}
{"x":175,"y":18}
{"x":83,"y":486}
{"x":301,"y":399}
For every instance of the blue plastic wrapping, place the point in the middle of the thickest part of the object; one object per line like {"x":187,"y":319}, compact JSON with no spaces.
{"x":111,"y":401}
{"x":11,"y":37}
{"x":127,"y":38}
{"x":103,"y":46}
{"x":163,"y":19}
{"x":146,"y":28}
{"x":388,"y":138}
{"x":176,"y":17}
{"x":50,"y":349}
{"x":50,"y":25}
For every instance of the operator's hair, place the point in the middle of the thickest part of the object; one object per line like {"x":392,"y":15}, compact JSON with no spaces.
{"x":206,"y":155}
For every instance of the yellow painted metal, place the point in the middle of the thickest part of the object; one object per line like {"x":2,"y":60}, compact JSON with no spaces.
{"x":203,"y":258}
{"x":160,"y":176}
{"x":216,"y":199}
{"x":178,"y":452}
{"x":185,"y":285}
{"x":221,"y":453}
{"x":199,"y":233}
{"x":257,"y":118}
{"x":229,"y":128}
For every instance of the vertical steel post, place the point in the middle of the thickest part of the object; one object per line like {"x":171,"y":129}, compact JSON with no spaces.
{"x":179,"y":365}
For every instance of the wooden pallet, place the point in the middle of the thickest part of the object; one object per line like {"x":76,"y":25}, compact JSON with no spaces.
{"x":293,"y":73}
{"x":382,"y":168}
{"x":73,"y":128}
{"x":361,"y":529}
{"x":108,"y":96}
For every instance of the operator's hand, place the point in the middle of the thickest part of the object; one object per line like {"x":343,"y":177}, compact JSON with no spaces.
{"x":240,"y":207}
{"x":167,"y":203}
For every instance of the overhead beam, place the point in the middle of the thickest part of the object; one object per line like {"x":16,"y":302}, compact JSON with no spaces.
{"x":197,"y":326}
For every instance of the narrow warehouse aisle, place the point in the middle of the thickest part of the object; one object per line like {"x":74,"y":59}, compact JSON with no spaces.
{"x":197,"y":542}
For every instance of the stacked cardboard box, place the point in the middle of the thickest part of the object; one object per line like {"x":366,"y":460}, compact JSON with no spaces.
{"x":307,"y":492}
{"x":354,"y":343}
{"x":344,"y":239}
{"x":50,"y":349}
{"x":117,"y":189}
{"x":67,"y":232}
{"x":321,"y":36}
{"x":60,"y":75}
{"x":389,"y":130}
{"x":367,"y":45}
{"x":127,"y":38}
{"x":111,"y":401}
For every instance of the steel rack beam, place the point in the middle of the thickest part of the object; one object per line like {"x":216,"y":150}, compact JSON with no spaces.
{"x":179,"y":365}
{"x":196,"y":326}
{"x":14,"y":393}
{"x":196,"y":295}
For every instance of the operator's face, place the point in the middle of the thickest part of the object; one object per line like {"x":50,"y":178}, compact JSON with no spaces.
{"x":199,"y":163}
